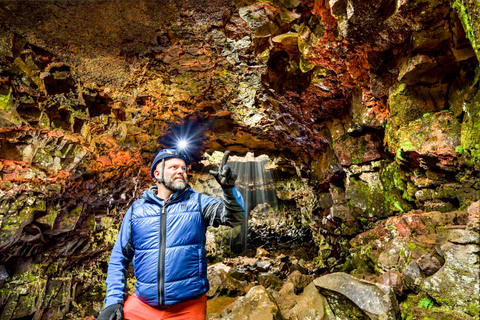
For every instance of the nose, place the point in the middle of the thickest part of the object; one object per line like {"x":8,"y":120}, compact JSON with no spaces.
{"x":181,"y":170}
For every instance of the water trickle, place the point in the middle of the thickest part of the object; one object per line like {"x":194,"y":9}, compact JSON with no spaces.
{"x":256,"y":184}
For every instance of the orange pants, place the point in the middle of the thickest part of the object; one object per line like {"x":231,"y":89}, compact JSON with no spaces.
{"x":134,"y":309}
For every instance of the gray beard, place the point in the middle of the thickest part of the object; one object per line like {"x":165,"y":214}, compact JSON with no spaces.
{"x":173,"y":184}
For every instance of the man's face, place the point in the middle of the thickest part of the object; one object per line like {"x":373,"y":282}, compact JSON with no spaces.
{"x":175,"y":174}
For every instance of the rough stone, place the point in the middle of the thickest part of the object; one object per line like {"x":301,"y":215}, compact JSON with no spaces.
{"x":457,"y":283}
{"x":222,"y":283}
{"x":299,"y":280}
{"x":392,"y":279}
{"x":474,"y":217}
{"x":311,"y":305}
{"x":429,"y":264}
{"x":269,"y":281}
{"x":348,"y":296}
{"x":257,"y":304}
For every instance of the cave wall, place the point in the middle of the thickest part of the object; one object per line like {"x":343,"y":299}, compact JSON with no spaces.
{"x":370,"y":107}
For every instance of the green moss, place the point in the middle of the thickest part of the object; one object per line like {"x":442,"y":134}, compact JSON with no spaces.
{"x":464,"y":15}
{"x":6,"y":101}
{"x":426,"y":303}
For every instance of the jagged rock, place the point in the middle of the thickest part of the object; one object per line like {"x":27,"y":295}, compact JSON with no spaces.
{"x":222,"y":283}
{"x":269,"y":280}
{"x":348,"y":296}
{"x":474,"y":217}
{"x":397,"y":242}
{"x":311,"y":305}
{"x":257,"y":304}
{"x":413,"y":138}
{"x":261,"y":252}
{"x":427,"y":70}
{"x":429,"y":264}
{"x":299,"y":280}
{"x":392,"y":279}
{"x":468,"y":12}
{"x":457,"y":283}
{"x":259,"y":18}
{"x":287,"y":289}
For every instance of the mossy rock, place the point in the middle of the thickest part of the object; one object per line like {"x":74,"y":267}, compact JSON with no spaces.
{"x":434,"y":135}
{"x":423,"y":307}
{"x":469,"y":13}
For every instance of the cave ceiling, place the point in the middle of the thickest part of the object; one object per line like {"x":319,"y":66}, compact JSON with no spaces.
{"x":115,"y":81}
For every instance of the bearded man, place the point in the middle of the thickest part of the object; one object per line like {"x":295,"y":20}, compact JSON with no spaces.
{"x":163,"y":234}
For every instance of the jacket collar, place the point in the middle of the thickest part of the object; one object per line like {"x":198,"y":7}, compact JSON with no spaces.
{"x":151,"y":195}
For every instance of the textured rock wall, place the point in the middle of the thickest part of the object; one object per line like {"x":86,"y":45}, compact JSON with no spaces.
{"x":371,"y":107}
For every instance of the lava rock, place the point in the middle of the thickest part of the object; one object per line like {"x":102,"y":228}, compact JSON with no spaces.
{"x":457,"y":282}
{"x":392,"y":279}
{"x":412,"y":275}
{"x":257,"y":304}
{"x":474,"y":217}
{"x":349,"y":296}
{"x":311,"y":305}
{"x":269,"y":280}
{"x":429,"y":264}
{"x":299,"y":280}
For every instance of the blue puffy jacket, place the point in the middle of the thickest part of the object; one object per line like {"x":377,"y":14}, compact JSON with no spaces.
{"x":166,"y":243}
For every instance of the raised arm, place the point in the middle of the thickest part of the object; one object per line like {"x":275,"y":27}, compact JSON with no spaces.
{"x":231,"y":210}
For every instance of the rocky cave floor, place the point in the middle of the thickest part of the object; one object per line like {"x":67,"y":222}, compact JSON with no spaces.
{"x":282,"y":280}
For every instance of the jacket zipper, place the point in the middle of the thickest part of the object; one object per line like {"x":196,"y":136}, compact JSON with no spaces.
{"x":161,"y":256}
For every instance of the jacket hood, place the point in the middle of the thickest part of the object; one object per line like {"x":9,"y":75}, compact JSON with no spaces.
{"x":150,"y":194}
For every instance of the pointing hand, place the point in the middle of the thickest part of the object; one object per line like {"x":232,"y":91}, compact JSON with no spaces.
{"x":225,"y":176}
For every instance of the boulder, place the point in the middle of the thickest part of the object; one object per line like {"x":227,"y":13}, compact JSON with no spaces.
{"x":474,"y":217}
{"x":457,"y":283}
{"x":348,"y":296}
{"x":222,"y":283}
{"x":392,"y":279}
{"x":299,"y":280}
{"x":257,"y":304}
{"x":269,"y":280}
{"x":311,"y":305}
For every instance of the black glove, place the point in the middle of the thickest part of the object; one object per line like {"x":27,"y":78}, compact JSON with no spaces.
{"x":225,"y":176}
{"x":113,"y":312}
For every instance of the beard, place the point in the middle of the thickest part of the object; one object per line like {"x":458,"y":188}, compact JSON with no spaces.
{"x":173,"y":184}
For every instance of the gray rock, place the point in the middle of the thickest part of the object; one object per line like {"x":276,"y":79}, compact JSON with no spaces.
{"x":412,"y":275}
{"x":311,"y":305}
{"x":299,"y":280}
{"x":461,"y":236}
{"x":348,"y":296}
{"x":3,"y":273}
{"x":457,"y":283}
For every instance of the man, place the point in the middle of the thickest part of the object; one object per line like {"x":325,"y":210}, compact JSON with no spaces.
{"x":163,"y":234}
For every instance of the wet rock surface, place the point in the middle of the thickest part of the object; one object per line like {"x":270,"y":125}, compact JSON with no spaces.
{"x":368,"y":112}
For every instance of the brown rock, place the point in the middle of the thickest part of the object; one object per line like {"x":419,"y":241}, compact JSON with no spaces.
{"x":474,"y":217}
{"x":261,"y":253}
{"x":299,"y":280}
{"x":429,"y":264}
{"x":394,"y":280}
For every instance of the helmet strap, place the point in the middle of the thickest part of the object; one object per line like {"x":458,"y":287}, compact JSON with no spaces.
{"x":162,"y":180}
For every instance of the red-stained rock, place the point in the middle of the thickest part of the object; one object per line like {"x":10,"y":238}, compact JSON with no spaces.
{"x":394,"y":280}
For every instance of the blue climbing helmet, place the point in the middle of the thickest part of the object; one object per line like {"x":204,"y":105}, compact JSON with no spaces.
{"x":166,"y":154}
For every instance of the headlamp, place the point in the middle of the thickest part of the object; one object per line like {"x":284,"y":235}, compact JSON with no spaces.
{"x":182,"y":144}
